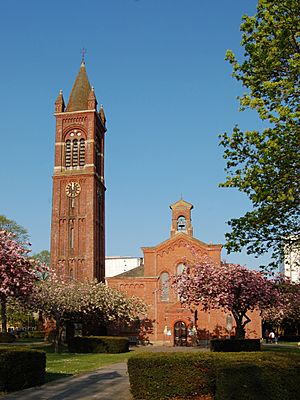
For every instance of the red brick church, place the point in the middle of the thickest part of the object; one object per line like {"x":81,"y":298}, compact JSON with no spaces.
{"x":78,"y":228}
{"x":171,"y":322}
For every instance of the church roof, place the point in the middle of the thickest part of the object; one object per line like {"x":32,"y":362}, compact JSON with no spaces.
{"x":81,"y":90}
{"x":132,"y":273}
{"x":184,"y":236}
{"x":181,"y":203}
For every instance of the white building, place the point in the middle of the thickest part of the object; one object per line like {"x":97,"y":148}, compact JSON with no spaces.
{"x":115,"y":265}
{"x":291,"y":264}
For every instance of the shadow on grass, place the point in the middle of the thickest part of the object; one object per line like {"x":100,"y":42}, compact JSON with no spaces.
{"x":53,"y":376}
{"x":49,"y":348}
{"x":281,"y":349}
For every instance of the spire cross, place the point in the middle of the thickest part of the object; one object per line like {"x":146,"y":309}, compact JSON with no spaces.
{"x":83,"y":52}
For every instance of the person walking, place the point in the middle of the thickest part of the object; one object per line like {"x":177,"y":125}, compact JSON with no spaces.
{"x":272,"y":336}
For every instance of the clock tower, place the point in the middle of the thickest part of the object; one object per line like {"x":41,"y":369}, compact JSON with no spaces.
{"x":78,"y":200}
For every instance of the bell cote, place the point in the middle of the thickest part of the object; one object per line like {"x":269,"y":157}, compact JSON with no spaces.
{"x":181,"y":218}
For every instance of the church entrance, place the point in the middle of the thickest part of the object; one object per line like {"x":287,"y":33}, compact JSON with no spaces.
{"x":180,"y":334}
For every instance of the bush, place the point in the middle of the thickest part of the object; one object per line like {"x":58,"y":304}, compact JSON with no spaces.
{"x":234,"y":376}
{"x":98,"y":344}
{"x":165,"y":375}
{"x":21,"y":368}
{"x":234,"y":345}
{"x":6,"y":337}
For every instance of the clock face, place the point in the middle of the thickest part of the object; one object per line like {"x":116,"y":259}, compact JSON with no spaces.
{"x":73,"y":189}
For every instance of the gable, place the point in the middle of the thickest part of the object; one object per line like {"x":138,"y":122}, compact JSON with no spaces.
{"x":182,"y":240}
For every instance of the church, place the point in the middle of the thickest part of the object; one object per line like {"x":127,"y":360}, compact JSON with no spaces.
{"x":168,"y":322}
{"x":78,"y":231}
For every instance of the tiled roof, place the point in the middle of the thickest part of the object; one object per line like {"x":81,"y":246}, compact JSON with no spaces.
{"x":81,"y":89}
{"x":135,"y":272}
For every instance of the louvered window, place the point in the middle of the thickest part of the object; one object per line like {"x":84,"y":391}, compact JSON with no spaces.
{"x":68,"y":153}
{"x":81,"y":152}
{"x":75,"y":153}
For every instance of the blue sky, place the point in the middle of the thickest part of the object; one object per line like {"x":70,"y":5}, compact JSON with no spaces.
{"x":158,"y":68}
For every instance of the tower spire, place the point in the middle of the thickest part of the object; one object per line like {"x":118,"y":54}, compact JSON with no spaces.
{"x":78,"y":100}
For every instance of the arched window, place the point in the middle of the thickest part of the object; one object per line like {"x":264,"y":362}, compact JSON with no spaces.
{"x":180,"y":268}
{"x":71,"y":274}
{"x":68,"y":153}
{"x":181,"y":223}
{"x":75,"y":153}
{"x":164,"y":286}
{"x":81,"y":152}
{"x":72,"y":238}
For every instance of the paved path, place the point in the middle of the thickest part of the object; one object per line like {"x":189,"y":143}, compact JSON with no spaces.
{"x":107,"y":383}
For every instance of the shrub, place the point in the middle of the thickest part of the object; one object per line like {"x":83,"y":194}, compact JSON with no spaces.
{"x":6,"y":337}
{"x":21,"y":368}
{"x":259,"y":380}
{"x":98,"y":344}
{"x":234,"y":376}
{"x":165,"y":375}
{"x":234,"y":345}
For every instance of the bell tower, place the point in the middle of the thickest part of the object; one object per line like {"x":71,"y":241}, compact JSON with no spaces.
{"x":181,"y":218}
{"x":78,"y":199}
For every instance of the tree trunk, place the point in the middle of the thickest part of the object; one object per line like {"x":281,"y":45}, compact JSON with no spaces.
{"x":240,"y":325}
{"x":3,"y":315}
{"x":239,"y":332}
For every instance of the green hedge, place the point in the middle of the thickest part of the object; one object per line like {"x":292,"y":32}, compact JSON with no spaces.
{"x":6,"y":337}
{"x":165,"y":375}
{"x":235,"y":345}
{"x":98,"y":344}
{"x":21,"y":368}
{"x":226,"y":376}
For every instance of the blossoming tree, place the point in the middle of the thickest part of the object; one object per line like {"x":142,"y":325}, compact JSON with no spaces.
{"x":228,"y":287}
{"x":71,"y":300}
{"x":18,"y":273}
{"x":288,"y":313}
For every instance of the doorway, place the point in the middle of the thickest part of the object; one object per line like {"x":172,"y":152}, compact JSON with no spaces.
{"x":180,"y":334}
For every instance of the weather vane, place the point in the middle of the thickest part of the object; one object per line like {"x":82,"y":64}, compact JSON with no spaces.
{"x":83,"y":52}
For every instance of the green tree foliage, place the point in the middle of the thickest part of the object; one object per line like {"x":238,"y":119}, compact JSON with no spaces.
{"x":266,"y":164}
{"x":20,"y":233}
{"x":43,"y":257}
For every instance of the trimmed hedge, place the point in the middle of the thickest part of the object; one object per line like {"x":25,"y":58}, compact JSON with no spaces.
{"x":21,"y":368}
{"x":234,"y":345}
{"x":6,"y":337}
{"x":98,"y":344}
{"x":226,"y":376}
{"x":159,"y":376}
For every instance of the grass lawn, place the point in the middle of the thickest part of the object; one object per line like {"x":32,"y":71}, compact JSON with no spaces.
{"x":65,"y":364}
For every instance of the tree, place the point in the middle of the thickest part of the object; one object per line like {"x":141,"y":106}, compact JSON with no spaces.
{"x":18,"y":273}
{"x":73,"y":301}
{"x":228,"y":287}
{"x":287,"y":313}
{"x":43,"y":257}
{"x":21,"y":234}
{"x":266,"y":164}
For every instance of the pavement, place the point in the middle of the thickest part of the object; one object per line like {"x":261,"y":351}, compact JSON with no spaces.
{"x":107,"y":383}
